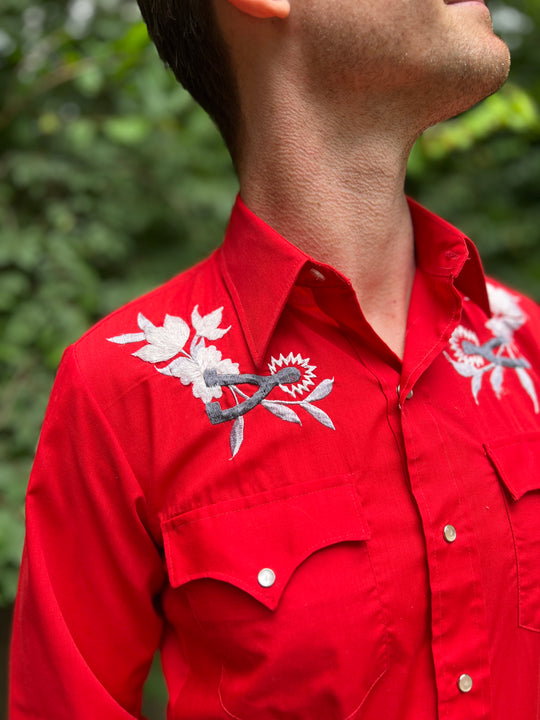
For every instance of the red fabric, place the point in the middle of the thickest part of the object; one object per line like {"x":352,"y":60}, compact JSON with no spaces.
{"x":156,"y":501}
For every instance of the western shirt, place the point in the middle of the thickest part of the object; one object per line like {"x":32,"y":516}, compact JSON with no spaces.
{"x":236,"y":469}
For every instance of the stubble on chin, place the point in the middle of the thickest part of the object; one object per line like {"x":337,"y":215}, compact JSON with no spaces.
{"x":421,"y":75}
{"x":469,"y":78}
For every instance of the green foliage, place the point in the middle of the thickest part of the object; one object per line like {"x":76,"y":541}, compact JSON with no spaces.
{"x":111,"y":180}
{"x":481,"y":170}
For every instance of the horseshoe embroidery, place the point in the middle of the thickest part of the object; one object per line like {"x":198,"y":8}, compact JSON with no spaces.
{"x":208,"y":373}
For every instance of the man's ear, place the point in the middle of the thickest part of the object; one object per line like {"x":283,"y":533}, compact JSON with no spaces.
{"x":263,"y":8}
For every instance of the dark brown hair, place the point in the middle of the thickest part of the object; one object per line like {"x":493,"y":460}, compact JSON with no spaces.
{"x":189,"y":41}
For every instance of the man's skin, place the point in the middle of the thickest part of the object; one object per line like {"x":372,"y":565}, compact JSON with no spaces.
{"x":334,"y":94}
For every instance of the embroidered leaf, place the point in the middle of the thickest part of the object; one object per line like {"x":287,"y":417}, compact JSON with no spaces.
{"x":477,"y":384}
{"x":496,"y":379}
{"x":318,"y":414}
{"x":144,"y":323}
{"x":154,"y":353}
{"x":321,"y":391}
{"x":281,"y":411}
{"x":208,"y":325}
{"x":128,"y":338}
{"x":237,"y":435}
{"x":528,"y":386}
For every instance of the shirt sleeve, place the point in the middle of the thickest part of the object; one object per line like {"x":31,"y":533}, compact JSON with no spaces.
{"x":86,"y":625}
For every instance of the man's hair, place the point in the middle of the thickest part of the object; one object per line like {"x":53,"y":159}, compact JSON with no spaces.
{"x":189,"y":41}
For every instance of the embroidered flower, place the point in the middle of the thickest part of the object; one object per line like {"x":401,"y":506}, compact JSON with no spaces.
{"x":163,"y":342}
{"x":499,"y":355}
{"x":208,"y":325}
{"x":306,"y":377}
{"x":191,"y":371}
{"x":507,"y":315}
{"x":461,"y":343}
{"x":208,"y":373}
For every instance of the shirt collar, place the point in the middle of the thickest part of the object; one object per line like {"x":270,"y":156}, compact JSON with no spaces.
{"x":260,"y":268}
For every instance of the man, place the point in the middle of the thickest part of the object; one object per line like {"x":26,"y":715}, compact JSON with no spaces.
{"x":307,"y":469}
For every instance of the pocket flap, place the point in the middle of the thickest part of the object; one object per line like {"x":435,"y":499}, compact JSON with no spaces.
{"x":517,"y":461}
{"x":277,"y":530}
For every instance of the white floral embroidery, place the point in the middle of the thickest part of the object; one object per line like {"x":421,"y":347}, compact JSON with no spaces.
{"x":205,"y":369}
{"x":307,"y":372}
{"x":500,"y":354}
{"x":459,"y":336}
{"x":191,"y":371}
{"x":169,"y":340}
{"x":208,"y":326}
{"x":507,"y":316}
{"x":163,"y":342}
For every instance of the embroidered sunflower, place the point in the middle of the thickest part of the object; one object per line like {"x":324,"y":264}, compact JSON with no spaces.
{"x":306,"y":377}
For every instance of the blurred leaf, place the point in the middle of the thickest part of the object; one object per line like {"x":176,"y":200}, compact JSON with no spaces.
{"x":111,"y":180}
{"x":129,"y":130}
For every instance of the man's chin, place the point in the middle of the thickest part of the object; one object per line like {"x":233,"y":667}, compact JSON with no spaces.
{"x":470,"y":82}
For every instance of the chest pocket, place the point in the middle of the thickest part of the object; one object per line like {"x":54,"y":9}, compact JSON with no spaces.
{"x":517,"y":462}
{"x":283,"y":590}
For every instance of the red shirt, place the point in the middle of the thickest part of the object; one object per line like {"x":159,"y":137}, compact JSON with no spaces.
{"x":237,"y":469}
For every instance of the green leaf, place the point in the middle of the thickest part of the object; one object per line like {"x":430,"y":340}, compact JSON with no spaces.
{"x":129,"y":130}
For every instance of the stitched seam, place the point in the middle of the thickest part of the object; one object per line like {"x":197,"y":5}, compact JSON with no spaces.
{"x":436,"y":572}
{"x":501,"y":469}
{"x":168,"y":553}
{"x":236,"y":300}
{"x":306,"y":552}
{"x":221,"y":698}
{"x":518,"y":569}
{"x":146,"y":492}
{"x":466,"y":517}
{"x":436,"y":350}
{"x":520,"y":592}
{"x":175,"y":523}
{"x":274,"y":593}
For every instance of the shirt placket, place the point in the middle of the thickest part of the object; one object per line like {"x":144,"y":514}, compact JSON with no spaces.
{"x":458,"y":613}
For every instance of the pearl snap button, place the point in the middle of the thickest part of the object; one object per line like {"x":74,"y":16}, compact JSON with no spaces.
{"x":449,"y":533}
{"x":266,"y":577}
{"x":409,"y":396}
{"x":465,"y":683}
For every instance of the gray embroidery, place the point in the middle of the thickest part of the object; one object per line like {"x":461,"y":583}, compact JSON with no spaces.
{"x":498,"y":355}
{"x":266,"y":384}
{"x":208,"y":373}
{"x":486,"y":351}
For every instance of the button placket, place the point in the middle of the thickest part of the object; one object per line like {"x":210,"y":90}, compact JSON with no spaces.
{"x":447,"y":549}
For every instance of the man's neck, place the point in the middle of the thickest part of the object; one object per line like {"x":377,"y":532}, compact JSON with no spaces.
{"x":340,"y":198}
